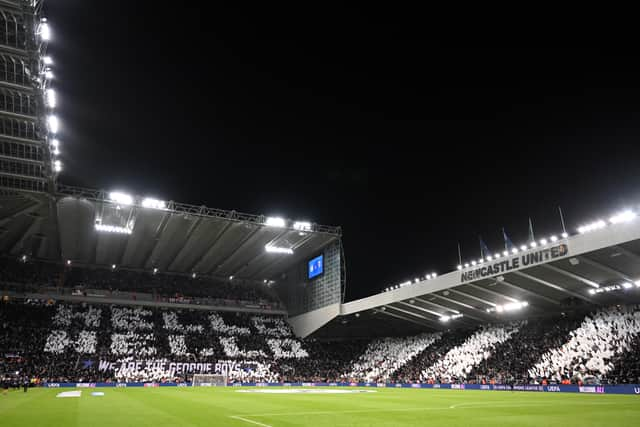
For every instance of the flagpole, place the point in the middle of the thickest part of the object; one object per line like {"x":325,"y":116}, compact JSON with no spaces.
{"x":459,"y":254}
{"x":533,"y":237}
{"x":481,"y":251}
{"x":564,"y":229}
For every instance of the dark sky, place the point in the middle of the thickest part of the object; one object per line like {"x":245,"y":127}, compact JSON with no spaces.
{"x":409,"y":144}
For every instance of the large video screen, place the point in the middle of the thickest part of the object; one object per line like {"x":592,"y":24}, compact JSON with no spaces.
{"x":316,"y":266}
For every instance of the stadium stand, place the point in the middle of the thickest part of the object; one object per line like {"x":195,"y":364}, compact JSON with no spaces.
{"x":35,"y":276}
{"x":382,"y":357}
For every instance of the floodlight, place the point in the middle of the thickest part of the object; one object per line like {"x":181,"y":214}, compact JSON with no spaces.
{"x":554,"y":238}
{"x":543,"y":241}
{"x":48,"y":74}
{"x":466,"y":265}
{"x":53,"y":123}
{"x":56,"y":151}
{"x":51,"y":98}
{"x":68,"y":262}
{"x":275,"y":222}
{"x":514,"y":250}
{"x":596,"y":225}
{"x":278,"y":250}
{"x":473,"y":263}
{"x":489,"y":258}
{"x":592,"y":291}
{"x":47,"y":60}
{"x":627,"y":285}
{"x":459,"y":267}
{"x":57,"y":166}
{"x":624,"y":216}
{"x":523,"y":247}
{"x":505,"y":253}
{"x":151,"y":203}
{"x":496,"y":256}
{"x":302,"y":226}
{"x":193,"y":275}
{"x":45,"y":31}
{"x":55,"y":143}
{"x":230,"y":277}
{"x":565,"y":235}
{"x":433,"y":275}
{"x":121,"y":198}
{"x":445,"y":318}
{"x":533,"y":244}
{"x":113,"y":229}
{"x":113,"y":266}
{"x":416,"y":280}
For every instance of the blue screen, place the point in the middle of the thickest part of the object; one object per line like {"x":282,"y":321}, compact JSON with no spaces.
{"x":316,"y":266}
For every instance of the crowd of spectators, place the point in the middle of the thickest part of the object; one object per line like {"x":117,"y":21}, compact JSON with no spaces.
{"x":62,"y":342}
{"x":383,"y":357}
{"x":33,"y":276}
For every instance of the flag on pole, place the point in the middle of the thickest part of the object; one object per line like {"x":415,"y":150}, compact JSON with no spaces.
{"x":484,"y":249}
{"x":532,"y":238}
{"x":508,"y":244}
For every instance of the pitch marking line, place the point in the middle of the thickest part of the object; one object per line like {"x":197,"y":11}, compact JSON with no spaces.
{"x":246,"y":420}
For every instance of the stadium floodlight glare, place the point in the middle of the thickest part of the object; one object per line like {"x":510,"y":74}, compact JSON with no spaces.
{"x":554,"y":238}
{"x":496,"y":256}
{"x":48,"y":74}
{"x":514,"y":250}
{"x":47,"y":60}
{"x":56,"y":151}
{"x":155,"y":270}
{"x":416,"y":280}
{"x":53,"y":124}
{"x":596,"y":225}
{"x":624,"y":216}
{"x":459,"y":267}
{"x":274,"y":221}
{"x":489,"y":258}
{"x":533,"y":244}
{"x":434,"y":275}
{"x":151,"y":203}
{"x":51,"y":98}
{"x":68,"y":262}
{"x":627,"y":285}
{"x":505,"y":253}
{"x":543,"y":242}
{"x":446,"y":318}
{"x":466,"y":265}
{"x":302,"y":226}
{"x":592,"y":291}
{"x":523,"y":247}
{"x":57,"y":166}
{"x":230,"y":277}
{"x":565,"y":235}
{"x":113,"y":266}
{"x":473,"y":263}
{"x":193,"y":275}
{"x":113,"y":229}
{"x":55,"y":143}
{"x":278,"y":250}
{"x":121,"y":198}
{"x":45,"y":31}
{"x":508,"y":307}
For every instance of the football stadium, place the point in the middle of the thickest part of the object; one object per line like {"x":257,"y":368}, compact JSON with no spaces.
{"x":125,"y":309}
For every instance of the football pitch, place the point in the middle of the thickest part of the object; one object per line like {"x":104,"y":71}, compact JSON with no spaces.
{"x":366,"y":407}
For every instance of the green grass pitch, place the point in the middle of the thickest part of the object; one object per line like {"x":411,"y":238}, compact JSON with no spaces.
{"x":202,"y":406}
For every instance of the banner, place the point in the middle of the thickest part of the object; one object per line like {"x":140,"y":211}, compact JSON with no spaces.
{"x":164,"y":368}
{"x":516,"y":262}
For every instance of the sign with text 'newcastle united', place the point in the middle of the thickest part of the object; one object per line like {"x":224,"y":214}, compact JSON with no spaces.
{"x":516,"y":262}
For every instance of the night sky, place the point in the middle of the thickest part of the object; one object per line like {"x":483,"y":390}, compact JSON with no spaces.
{"x":409,"y":144}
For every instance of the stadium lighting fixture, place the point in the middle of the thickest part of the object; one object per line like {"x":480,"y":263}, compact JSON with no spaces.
{"x":627,"y":285}
{"x":637,"y":283}
{"x":55,"y":143}
{"x":554,"y":238}
{"x":496,"y":256}
{"x":565,"y":235}
{"x":459,"y":267}
{"x":57,"y":166}
{"x":624,"y":216}
{"x":466,"y":265}
{"x":56,"y":151}
{"x":523,"y":247}
{"x":416,"y":280}
{"x":473,"y":263}
{"x":543,"y":242}
{"x":193,"y":275}
{"x":434,"y":275}
{"x":51,"y":98}
{"x":446,"y":318}
{"x":273,"y":221}
{"x":121,"y":198}
{"x":155,"y":270}
{"x":45,"y":30}
{"x":278,"y":250}
{"x":113,"y":229}
{"x":151,"y":203}
{"x":505,"y":253}
{"x":23,"y":258}
{"x":68,"y":262}
{"x":230,"y":277}
{"x":53,"y":123}
{"x":514,"y":250}
{"x":489,"y":258}
{"x":113,"y":266}
{"x":302,"y":226}
{"x":48,"y":74}
{"x":512,"y":306}
{"x":592,"y":291}
{"x":47,"y":60}
{"x":596,"y":225}
{"x":533,"y":244}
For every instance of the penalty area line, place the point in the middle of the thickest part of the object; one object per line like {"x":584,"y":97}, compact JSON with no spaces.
{"x":246,"y":420}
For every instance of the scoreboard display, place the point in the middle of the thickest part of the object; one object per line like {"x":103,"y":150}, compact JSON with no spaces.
{"x":315,"y":267}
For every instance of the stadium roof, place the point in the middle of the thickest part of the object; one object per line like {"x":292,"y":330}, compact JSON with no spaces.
{"x":599,"y":267}
{"x":96,"y":227}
